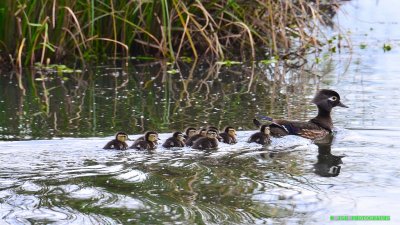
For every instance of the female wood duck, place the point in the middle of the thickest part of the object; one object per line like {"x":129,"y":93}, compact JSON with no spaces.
{"x":201,"y":133}
{"x":118,"y":143}
{"x":149,"y":142}
{"x":189,"y":132}
{"x":176,"y":140}
{"x":229,"y":135}
{"x":210,"y":142}
{"x":316,"y":128}
{"x":261,"y":137}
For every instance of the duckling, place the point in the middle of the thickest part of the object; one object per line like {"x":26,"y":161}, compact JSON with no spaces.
{"x":210,"y":142}
{"x":261,"y":137}
{"x":149,"y":142}
{"x":229,"y":135}
{"x":219,"y":138}
{"x":176,"y":140}
{"x":201,"y":133}
{"x":141,"y":138}
{"x":189,"y":132}
{"x":119,"y":142}
{"x":316,"y":128}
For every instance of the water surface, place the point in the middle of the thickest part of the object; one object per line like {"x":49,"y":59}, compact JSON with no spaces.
{"x":53,"y":169}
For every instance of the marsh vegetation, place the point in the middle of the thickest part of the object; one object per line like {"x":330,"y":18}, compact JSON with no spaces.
{"x":48,"y":32}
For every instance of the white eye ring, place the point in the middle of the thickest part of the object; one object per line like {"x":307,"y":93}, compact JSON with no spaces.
{"x":333,"y":98}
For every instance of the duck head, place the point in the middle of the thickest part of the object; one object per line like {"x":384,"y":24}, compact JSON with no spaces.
{"x":151,"y":136}
{"x":211,"y":133}
{"x":178,"y":135}
{"x":327,"y":99}
{"x":265,"y":129}
{"x":203,"y":132}
{"x":190,"y":131}
{"x":230,"y":131}
{"x":121,"y":136}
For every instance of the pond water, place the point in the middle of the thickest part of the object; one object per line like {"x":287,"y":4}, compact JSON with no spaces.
{"x":53,"y":169}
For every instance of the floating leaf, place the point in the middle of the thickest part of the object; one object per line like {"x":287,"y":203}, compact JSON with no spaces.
{"x":268,"y":61}
{"x":387,"y":47}
{"x":363,"y":46}
{"x":145,"y":58}
{"x":173,"y":71}
{"x":228,"y":63}
{"x":56,"y":67}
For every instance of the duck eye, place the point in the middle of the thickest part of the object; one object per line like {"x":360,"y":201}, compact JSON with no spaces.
{"x":333,"y":98}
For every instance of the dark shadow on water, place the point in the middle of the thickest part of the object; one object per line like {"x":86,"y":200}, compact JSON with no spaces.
{"x":328,"y":165}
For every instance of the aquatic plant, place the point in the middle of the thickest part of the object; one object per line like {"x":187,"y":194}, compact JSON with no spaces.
{"x":50,"y":31}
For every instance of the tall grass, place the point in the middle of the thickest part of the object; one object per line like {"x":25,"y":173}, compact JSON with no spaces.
{"x":49,"y":31}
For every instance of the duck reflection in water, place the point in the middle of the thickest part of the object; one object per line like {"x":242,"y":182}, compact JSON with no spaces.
{"x":328,"y":165}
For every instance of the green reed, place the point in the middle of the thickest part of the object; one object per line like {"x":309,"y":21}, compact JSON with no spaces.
{"x":50,"y":31}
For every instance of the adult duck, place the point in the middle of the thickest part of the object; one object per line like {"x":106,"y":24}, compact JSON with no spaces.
{"x":316,"y":128}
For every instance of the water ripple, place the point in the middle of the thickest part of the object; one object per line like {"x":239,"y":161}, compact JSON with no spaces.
{"x":238,"y":184}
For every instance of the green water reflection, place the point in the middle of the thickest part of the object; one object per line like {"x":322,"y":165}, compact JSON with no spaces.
{"x":176,"y":188}
{"x":147,"y":96}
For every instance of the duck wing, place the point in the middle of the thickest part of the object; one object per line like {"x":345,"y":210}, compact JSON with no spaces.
{"x":307,"y":130}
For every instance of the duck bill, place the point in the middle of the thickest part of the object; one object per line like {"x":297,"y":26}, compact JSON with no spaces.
{"x":342,"y":105}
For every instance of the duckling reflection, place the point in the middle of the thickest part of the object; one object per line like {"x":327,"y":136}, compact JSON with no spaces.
{"x":328,"y":165}
{"x":119,"y":142}
{"x":229,"y":135}
{"x":148,"y":143}
{"x":177,"y":140}
{"x":210,"y":142}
